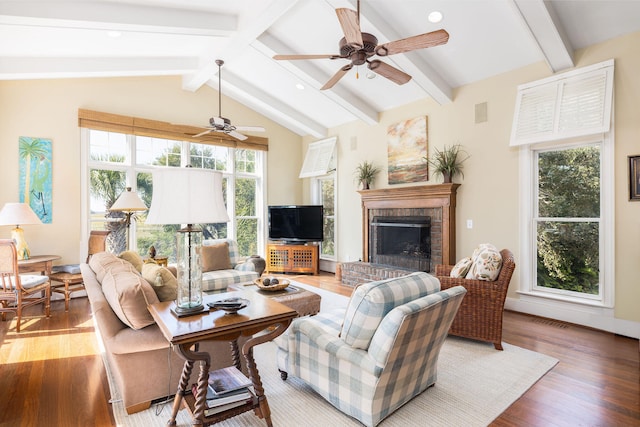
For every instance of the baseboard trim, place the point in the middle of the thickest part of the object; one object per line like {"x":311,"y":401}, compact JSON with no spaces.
{"x":593,"y":317}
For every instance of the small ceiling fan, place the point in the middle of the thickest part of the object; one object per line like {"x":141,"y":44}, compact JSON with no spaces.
{"x":359,"y":47}
{"x":222,"y":124}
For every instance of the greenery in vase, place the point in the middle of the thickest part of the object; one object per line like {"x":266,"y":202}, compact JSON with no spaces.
{"x":448,"y":161}
{"x":365,"y":173}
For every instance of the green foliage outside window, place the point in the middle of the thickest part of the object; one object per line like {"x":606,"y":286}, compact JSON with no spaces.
{"x":107,"y":185}
{"x":569,"y":210}
{"x":327,"y":188}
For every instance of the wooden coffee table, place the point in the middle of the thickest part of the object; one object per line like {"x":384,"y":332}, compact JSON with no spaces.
{"x":306,"y":303}
{"x":262,"y":314}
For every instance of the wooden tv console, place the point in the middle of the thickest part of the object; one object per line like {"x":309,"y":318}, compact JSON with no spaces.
{"x":292,"y":258}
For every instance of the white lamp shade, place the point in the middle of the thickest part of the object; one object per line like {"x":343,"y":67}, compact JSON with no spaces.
{"x":129,"y":201}
{"x":187,"y":196}
{"x":17,"y":214}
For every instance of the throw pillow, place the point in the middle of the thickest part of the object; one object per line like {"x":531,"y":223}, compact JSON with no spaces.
{"x":461,"y":268}
{"x":215,"y":257}
{"x":129,"y":295}
{"x":134,"y":258}
{"x":163,"y":282}
{"x":486,"y":263}
{"x":102,"y":262}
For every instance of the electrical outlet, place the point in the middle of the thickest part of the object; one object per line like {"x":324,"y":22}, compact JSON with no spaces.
{"x":469,"y":223}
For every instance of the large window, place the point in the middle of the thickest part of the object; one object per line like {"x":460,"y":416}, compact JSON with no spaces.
{"x":563,"y":125}
{"x":324,"y":194}
{"x":116,"y":161}
{"x":567,"y":221}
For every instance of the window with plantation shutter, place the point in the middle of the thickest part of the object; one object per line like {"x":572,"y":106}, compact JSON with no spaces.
{"x":572,"y":104}
{"x":318,"y":160}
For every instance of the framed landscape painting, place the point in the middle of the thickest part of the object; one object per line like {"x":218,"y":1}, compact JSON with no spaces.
{"x":407,"y":148}
{"x":35,"y":175}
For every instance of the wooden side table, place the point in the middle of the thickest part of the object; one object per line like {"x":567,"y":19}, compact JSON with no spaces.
{"x":162,"y":261}
{"x":186,"y":332}
{"x":38,"y":264}
{"x":66,"y":283}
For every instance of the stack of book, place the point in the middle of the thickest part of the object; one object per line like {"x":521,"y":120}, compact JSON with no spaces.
{"x":227,"y":389}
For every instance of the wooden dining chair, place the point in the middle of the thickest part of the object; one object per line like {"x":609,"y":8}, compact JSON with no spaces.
{"x":18,"y":291}
{"x":67,"y":279}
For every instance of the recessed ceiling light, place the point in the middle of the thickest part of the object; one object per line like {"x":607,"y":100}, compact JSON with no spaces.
{"x":435,"y":17}
{"x":114,"y":34}
{"x":371,"y":75}
{"x":299,"y":86}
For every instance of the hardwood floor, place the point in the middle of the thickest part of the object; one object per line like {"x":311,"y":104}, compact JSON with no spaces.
{"x":51,"y":373}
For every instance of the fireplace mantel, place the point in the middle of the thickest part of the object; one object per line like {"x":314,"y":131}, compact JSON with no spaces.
{"x":423,"y":196}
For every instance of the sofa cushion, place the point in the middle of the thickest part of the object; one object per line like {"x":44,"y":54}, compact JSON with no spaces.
{"x":134,"y":258}
{"x":234,"y":255}
{"x":102,"y":262}
{"x":370,"y":302}
{"x":129,"y":295}
{"x":163,"y":282}
{"x":219,"y":280}
{"x":461,"y":268}
{"x":215,"y":257}
{"x":486,"y":263}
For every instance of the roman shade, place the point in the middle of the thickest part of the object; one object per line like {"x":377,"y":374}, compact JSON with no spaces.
{"x":157,"y":129}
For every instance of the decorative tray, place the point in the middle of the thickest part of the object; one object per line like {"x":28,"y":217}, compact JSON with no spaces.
{"x":282,"y":283}
{"x":229,"y":305}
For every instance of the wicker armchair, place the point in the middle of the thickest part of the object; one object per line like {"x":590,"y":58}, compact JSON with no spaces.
{"x":480,"y":314}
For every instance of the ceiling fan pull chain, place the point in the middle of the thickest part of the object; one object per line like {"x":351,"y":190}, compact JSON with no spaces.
{"x":357,"y":72}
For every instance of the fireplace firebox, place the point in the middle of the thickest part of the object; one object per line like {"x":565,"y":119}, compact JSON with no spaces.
{"x":401,"y":241}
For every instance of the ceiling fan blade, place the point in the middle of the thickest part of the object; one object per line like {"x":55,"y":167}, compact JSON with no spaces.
{"x":250,"y":128}
{"x":421,"y":41}
{"x":386,"y":70}
{"x":237,"y":135}
{"x":202,"y":133}
{"x":336,"y":77}
{"x":350,"y":23}
{"x":294,"y":57}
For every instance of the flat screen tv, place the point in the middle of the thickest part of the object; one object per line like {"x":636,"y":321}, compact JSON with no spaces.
{"x":296,"y":223}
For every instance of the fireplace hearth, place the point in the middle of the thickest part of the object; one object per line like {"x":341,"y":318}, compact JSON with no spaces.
{"x":401,"y":241}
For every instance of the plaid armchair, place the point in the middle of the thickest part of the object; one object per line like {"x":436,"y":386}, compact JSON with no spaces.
{"x":378,"y":355}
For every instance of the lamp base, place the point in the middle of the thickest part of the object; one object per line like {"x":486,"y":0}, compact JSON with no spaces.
{"x":187,"y":311}
{"x":17,"y":235}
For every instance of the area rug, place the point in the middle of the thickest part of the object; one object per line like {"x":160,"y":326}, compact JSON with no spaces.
{"x":476,"y":383}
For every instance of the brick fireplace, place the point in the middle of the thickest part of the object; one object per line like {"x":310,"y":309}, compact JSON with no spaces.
{"x":434,"y":205}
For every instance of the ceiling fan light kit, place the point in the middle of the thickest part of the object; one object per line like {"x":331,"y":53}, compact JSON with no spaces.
{"x":359,"y":47}
{"x":223,"y":124}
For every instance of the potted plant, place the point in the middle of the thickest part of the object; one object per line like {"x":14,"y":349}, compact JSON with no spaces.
{"x":448,"y":161}
{"x":365,"y":173}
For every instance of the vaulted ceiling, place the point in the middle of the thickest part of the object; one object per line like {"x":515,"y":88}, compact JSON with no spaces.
{"x":62,"y":39}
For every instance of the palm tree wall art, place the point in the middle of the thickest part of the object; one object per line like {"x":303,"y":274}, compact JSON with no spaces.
{"x":35,"y":175}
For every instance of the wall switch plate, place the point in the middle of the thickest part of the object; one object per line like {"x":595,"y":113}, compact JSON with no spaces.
{"x":469,"y":223}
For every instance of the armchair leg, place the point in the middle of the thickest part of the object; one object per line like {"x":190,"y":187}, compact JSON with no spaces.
{"x":498,"y":345}
{"x":283,"y":375}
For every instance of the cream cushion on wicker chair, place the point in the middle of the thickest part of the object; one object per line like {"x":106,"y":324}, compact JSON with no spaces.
{"x":485,"y":263}
{"x":461,"y":268}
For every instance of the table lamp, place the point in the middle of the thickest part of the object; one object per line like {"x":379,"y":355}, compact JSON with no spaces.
{"x":16,"y":214}
{"x":128,"y":203}
{"x":187,"y":196}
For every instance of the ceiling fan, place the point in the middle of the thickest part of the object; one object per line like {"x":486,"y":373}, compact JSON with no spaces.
{"x":359,"y":47}
{"x":222,"y":124}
